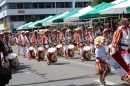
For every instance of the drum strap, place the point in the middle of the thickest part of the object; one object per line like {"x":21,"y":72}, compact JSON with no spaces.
{"x":29,"y":40}
{"x":7,"y":45}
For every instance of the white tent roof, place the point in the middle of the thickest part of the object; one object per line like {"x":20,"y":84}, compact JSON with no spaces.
{"x":117,"y":9}
{"x":80,"y":12}
{"x":50,"y":22}
{"x":33,"y":25}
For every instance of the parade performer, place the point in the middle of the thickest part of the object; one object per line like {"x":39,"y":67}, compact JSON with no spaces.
{"x":106,"y":40}
{"x":91,"y":39}
{"x":121,"y":42}
{"x":63,"y":39}
{"x":30,"y":49}
{"x":69,"y":47}
{"x":102,"y":67}
{"x":80,"y":42}
{"x":12,"y":58}
{"x":35,"y":39}
{"x":17,"y":43}
{"x":21,"y":40}
{"x":54,"y":37}
{"x":47,"y":47}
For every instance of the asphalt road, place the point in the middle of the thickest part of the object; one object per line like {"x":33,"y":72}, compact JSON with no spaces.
{"x":66,"y":72}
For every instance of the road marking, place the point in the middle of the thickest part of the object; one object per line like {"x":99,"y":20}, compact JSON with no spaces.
{"x":28,"y":72}
{"x":108,"y":83}
{"x":78,"y":63}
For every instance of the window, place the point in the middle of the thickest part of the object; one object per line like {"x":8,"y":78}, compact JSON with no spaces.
{"x":12,"y":5}
{"x":60,"y":5}
{"x":35,"y":5}
{"x":68,"y":4}
{"x":53,"y":4}
{"x":41,"y":5}
{"x":20,"y":5}
{"x":47,"y":4}
{"x":21,"y":18}
{"x":13,"y":18}
{"x":27,"y":5}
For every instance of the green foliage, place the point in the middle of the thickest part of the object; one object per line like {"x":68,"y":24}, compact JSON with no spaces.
{"x":96,"y":2}
{"x":30,"y":20}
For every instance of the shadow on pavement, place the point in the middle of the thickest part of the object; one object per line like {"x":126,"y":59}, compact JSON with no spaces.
{"x":60,"y":63}
{"x":21,"y":67}
{"x":49,"y":81}
{"x":92,"y":84}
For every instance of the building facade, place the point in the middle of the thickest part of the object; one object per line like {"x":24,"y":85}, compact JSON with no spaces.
{"x":13,"y":13}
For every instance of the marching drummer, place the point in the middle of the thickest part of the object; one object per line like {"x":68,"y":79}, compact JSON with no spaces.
{"x":17,"y":43}
{"x":80,"y":42}
{"x":91,"y":39}
{"x":105,"y":40}
{"x":102,"y":67}
{"x":27,"y":40}
{"x":21,"y":40}
{"x":35,"y":39}
{"x":63,"y":39}
{"x":45,"y":43}
{"x":54,"y":37}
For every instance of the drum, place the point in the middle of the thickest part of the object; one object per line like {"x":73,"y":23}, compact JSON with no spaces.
{"x":87,"y":53}
{"x":31,"y":53}
{"x":52,"y":56}
{"x":71,"y":50}
{"x":40,"y":53}
{"x":13,"y":59}
{"x":59,"y":50}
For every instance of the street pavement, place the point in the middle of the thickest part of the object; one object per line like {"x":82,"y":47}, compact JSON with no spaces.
{"x":66,"y":72}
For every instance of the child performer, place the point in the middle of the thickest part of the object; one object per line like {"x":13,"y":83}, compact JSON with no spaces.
{"x":102,"y":67}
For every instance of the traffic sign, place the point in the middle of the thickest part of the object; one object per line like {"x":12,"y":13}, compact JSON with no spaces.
{"x":11,"y":25}
{"x":5,"y":25}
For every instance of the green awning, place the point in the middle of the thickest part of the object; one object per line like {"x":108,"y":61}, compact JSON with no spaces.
{"x":40,"y":23}
{"x":96,"y":12}
{"x":26,"y":26}
{"x":61,"y":19}
{"x":21,"y":27}
{"x":128,"y":9}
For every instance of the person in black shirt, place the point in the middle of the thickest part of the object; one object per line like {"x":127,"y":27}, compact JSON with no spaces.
{"x":5,"y":53}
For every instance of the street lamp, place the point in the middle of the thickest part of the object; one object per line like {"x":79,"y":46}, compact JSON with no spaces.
{"x":33,"y":8}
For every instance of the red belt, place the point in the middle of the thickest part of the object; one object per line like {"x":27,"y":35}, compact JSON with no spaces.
{"x":123,"y":51}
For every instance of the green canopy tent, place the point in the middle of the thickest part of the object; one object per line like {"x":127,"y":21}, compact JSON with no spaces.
{"x":35,"y":24}
{"x":96,"y":12}
{"x":61,"y":19}
{"x":21,"y":27}
{"x":40,"y":23}
{"x":26,"y":26}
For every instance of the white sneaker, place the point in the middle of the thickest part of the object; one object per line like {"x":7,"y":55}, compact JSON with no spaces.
{"x":104,"y":82}
{"x":101,"y":84}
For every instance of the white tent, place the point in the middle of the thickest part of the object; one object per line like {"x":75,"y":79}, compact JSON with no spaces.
{"x":33,"y":25}
{"x":117,"y":9}
{"x":50,"y":22}
{"x":80,"y":12}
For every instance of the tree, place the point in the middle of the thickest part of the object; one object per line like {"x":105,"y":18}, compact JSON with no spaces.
{"x":30,"y":20}
{"x":95,"y":2}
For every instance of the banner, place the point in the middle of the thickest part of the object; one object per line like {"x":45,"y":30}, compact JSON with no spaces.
{"x":116,"y":66}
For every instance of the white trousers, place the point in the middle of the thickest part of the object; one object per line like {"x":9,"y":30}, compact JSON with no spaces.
{"x":81,"y":51}
{"x":24,"y":50}
{"x":19,"y":47}
{"x":126,"y":57}
{"x":65,"y":47}
{"x":92,"y":48}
